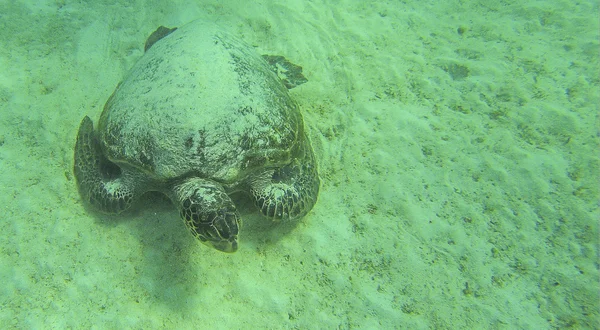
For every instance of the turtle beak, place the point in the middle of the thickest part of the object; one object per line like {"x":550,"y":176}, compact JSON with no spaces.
{"x":230,"y":245}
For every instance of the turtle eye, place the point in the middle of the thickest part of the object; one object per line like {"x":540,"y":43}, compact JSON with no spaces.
{"x":207,"y":232}
{"x":211,"y":233}
{"x":227,"y":223}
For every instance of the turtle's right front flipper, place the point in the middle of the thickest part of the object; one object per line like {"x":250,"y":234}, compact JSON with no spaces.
{"x":100,"y":181}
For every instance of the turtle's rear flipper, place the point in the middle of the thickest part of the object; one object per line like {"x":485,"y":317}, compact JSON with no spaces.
{"x":160,"y":33}
{"x":289,"y":73}
{"x":101,"y":182}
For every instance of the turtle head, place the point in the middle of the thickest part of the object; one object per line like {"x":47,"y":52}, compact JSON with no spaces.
{"x":218,"y":230}
{"x":208,"y":212}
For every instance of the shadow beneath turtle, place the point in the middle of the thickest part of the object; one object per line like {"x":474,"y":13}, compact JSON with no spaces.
{"x":258,"y":231}
{"x":166,"y":271}
{"x":163,"y":268}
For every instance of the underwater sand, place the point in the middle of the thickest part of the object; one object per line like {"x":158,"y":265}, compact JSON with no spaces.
{"x":458,"y":153}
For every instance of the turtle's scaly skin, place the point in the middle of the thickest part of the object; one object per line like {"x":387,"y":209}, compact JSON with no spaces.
{"x":104,"y":191}
{"x":199,"y":116}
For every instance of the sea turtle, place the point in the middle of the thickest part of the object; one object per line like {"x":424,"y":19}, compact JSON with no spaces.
{"x":200,"y":116}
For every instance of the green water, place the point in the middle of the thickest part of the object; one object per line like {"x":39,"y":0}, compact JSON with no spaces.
{"x":458,"y":153}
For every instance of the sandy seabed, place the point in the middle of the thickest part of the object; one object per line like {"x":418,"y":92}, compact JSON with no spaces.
{"x":458,"y":153}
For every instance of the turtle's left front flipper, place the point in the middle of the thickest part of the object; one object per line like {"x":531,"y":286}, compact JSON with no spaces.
{"x":100,"y":181}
